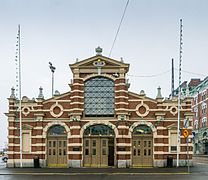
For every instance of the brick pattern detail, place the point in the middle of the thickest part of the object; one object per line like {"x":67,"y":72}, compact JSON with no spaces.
{"x":39,"y":118}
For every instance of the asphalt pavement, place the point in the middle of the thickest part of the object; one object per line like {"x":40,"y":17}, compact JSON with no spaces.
{"x":199,"y":171}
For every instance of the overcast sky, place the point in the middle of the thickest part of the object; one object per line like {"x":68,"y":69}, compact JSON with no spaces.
{"x":62,"y":30}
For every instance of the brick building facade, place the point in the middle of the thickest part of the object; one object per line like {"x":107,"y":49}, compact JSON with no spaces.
{"x":98,"y":123}
{"x":200,"y":123}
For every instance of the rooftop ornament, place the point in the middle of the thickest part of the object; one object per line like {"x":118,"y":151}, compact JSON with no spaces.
{"x":41,"y":93}
{"x":159,"y":94}
{"x":12,"y":93}
{"x":98,"y":50}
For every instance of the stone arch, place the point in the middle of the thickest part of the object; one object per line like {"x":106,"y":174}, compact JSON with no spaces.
{"x":49,"y":125}
{"x":96,"y":122}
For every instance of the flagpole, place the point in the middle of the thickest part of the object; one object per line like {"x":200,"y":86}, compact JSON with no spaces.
{"x":20,"y":99}
{"x":179,"y":95}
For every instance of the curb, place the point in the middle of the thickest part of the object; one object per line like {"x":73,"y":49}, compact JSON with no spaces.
{"x":111,"y":174}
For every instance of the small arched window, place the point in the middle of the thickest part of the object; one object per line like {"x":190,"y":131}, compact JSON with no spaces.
{"x":99,"y":97}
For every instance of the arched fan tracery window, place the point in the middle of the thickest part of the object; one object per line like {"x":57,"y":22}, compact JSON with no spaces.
{"x":56,"y":130}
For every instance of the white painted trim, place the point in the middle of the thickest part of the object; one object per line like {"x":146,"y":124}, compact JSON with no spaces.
{"x":72,"y":97}
{"x":38,"y":127}
{"x":37,"y":136}
{"x":77,"y":109}
{"x":36,"y":152}
{"x":75,"y":136}
{"x":60,"y":100}
{"x":65,"y":120}
{"x":122,"y":90}
{"x":125,"y":97}
{"x":161,"y":127}
{"x":160,"y":144}
{"x":77,"y":90}
{"x":122,"y":127}
{"x":75,"y":127}
{"x":12,"y":136}
{"x":39,"y":144}
{"x":96,"y":75}
{"x":74,"y":144}
{"x":77,"y":84}
{"x":76,"y":103}
{"x":18,"y":161}
{"x":122,"y":109}
{"x":122,"y":103}
{"x":120,"y":84}
{"x":11,"y":128}
{"x":163,"y":110}
{"x":123,"y":152}
{"x":12,"y":144}
{"x":74,"y":152}
{"x":161,"y":152}
{"x":124,"y":144}
{"x":161,"y":136}
{"x":123,"y":136}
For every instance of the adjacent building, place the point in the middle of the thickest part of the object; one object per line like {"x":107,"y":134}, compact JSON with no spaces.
{"x":98,"y":123}
{"x":199,"y":106}
{"x":198,"y":90}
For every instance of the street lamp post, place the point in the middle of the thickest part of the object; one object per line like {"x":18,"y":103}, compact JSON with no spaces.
{"x":52,"y":68}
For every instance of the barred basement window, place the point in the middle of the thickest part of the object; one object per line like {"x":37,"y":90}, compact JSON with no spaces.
{"x":99,"y":97}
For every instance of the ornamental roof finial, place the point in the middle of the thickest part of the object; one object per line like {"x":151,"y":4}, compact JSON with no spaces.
{"x":98,"y":50}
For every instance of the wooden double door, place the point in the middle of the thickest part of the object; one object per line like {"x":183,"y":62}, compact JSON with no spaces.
{"x":57,"y":152}
{"x":98,"y":152}
{"x":142,"y":150}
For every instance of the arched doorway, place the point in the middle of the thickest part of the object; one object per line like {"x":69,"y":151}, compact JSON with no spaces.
{"x":57,"y":146}
{"x":98,"y":146}
{"x":142,"y":146}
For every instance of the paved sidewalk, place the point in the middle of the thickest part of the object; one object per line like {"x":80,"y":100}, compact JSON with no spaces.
{"x":96,"y":171}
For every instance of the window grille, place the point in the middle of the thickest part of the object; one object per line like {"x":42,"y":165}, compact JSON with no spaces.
{"x":99,"y":97}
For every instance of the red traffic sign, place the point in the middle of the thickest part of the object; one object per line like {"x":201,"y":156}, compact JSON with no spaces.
{"x":185,"y":133}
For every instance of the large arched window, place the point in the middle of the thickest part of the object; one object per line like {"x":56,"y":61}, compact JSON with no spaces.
{"x":99,"y":97}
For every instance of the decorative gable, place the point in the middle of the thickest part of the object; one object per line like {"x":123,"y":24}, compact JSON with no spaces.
{"x":108,"y":65}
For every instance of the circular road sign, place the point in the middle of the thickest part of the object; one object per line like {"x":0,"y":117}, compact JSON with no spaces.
{"x":185,"y":133}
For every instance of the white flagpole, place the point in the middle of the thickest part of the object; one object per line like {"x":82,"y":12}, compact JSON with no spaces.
{"x":179,"y":94}
{"x":20,"y":98}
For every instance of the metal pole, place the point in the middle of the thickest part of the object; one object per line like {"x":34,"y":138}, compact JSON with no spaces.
{"x":52,"y":82}
{"x":179,"y":94}
{"x":20,"y":103}
{"x":187,"y":154}
{"x":172,"y":79}
{"x":52,"y":68}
